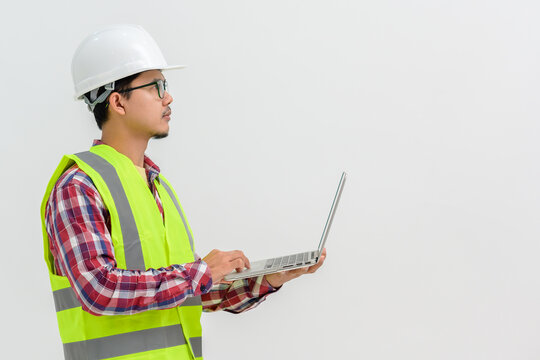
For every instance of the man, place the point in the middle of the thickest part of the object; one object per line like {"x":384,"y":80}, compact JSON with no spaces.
{"x":126,"y":280}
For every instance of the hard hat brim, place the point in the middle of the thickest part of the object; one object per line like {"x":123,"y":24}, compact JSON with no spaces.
{"x":172,"y":67}
{"x":164,"y":68}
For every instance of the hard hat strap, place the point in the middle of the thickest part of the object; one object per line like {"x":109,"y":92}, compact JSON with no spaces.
{"x":92,"y":102}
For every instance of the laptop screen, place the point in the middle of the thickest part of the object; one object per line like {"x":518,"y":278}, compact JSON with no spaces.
{"x":332,"y":212}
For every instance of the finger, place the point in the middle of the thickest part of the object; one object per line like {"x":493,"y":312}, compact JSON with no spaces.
{"x":319,"y":263}
{"x":315,"y":267}
{"x":246,"y":261}
{"x":238,"y":264}
{"x":240,"y":254}
{"x":240,"y":269}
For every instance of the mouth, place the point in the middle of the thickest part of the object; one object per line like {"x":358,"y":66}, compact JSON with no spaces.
{"x":167,"y":114}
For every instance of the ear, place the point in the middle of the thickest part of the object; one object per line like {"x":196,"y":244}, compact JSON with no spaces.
{"x":117,"y":103}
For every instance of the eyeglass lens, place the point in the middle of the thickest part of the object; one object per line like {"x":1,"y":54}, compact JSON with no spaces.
{"x":162,"y":87}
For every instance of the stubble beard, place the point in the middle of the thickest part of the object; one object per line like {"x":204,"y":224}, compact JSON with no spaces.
{"x":163,"y":135}
{"x":160,"y":136}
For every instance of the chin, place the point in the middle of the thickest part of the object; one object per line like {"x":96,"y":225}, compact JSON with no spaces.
{"x":160,"y":135}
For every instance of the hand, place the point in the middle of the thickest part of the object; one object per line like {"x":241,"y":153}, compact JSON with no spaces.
{"x":223,"y":262}
{"x":280,"y":278}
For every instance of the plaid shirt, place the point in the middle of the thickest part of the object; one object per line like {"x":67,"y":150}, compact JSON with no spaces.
{"x":78,"y":225}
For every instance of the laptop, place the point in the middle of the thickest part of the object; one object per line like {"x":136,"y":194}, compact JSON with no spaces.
{"x":294,"y":261}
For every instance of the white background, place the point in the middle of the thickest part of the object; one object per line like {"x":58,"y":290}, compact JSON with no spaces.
{"x":430,"y":105}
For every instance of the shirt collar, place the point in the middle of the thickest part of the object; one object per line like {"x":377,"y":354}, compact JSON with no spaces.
{"x":151,"y":167}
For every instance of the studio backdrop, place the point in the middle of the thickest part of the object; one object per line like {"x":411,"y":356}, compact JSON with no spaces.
{"x":431,"y":106}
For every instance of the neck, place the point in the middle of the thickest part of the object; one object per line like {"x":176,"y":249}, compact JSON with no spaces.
{"x":133,"y":148}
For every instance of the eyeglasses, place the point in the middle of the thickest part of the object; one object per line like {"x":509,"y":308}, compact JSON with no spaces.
{"x":161,"y":86}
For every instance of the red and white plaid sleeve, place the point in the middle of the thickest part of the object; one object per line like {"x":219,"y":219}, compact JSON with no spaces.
{"x":240,"y":296}
{"x":78,"y":224}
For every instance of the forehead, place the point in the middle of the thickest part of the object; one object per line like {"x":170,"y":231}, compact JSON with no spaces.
{"x":148,"y":76}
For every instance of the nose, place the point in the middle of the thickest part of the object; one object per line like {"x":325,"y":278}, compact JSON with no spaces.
{"x":167,"y":99}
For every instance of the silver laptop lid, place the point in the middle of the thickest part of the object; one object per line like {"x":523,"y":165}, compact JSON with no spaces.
{"x":332,"y":212}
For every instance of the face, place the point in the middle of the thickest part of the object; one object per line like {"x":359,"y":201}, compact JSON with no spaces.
{"x":148,"y":115}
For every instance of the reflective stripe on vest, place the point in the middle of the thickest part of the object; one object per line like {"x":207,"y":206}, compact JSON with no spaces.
{"x":131,"y":343}
{"x":65,"y":299}
{"x":132,"y":243}
{"x":171,"y":195}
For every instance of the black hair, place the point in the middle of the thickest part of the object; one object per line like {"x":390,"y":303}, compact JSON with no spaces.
{"x":100,"y":110}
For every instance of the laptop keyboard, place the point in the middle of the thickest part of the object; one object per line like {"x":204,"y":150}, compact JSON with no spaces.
{"x":290,"y":260}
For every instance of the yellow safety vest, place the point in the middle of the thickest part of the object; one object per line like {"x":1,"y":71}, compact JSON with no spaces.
{"x":141,"y":240}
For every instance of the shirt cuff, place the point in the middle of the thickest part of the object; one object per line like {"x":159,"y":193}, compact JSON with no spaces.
{"x":201,"y":278}
{"x":262,"y":287}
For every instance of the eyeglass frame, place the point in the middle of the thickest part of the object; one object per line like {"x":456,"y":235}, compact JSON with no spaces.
{"x":156,"y":83}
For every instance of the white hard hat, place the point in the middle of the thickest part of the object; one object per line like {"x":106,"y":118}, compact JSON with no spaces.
{"x":113,"y":53}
